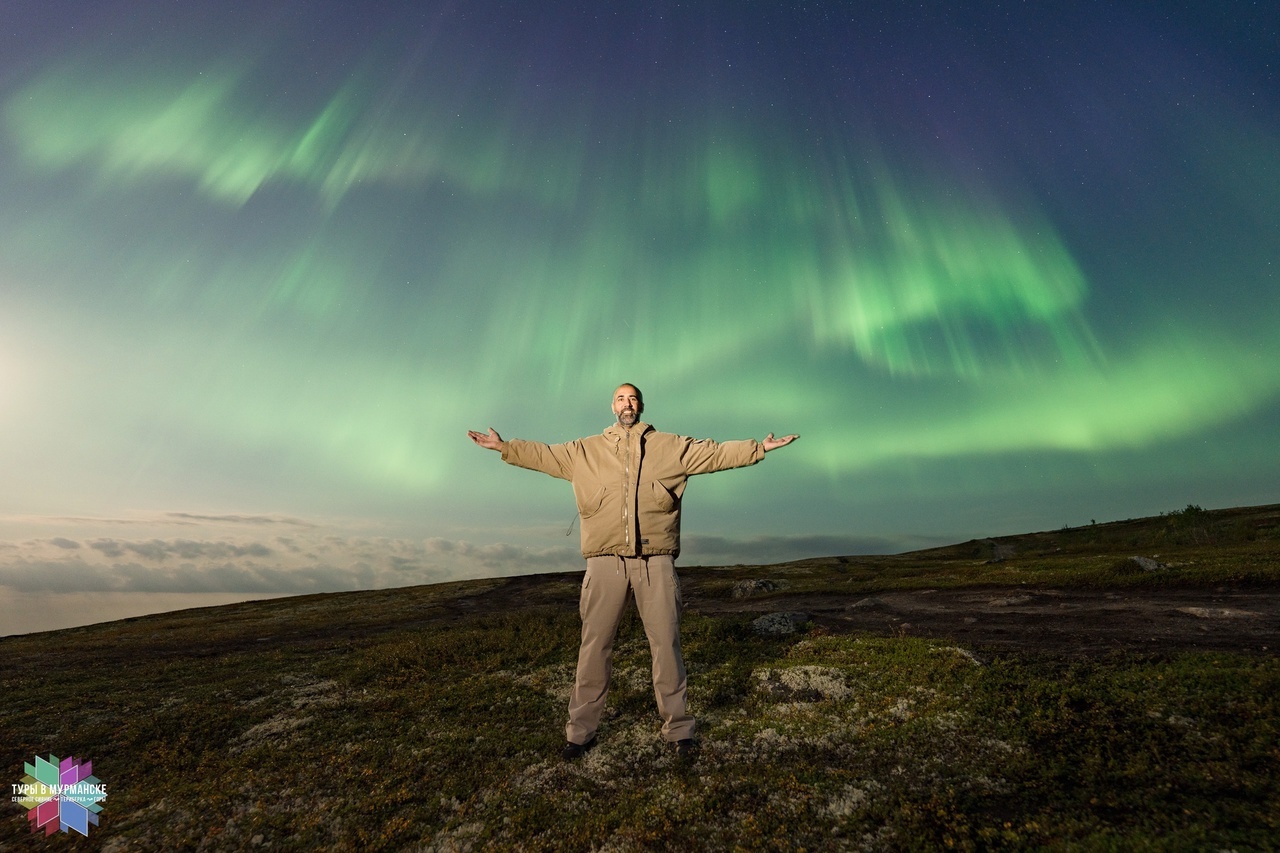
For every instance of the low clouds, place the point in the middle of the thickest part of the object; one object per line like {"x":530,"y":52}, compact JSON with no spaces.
{"x":294,"y":564}
{"x":239,"y":519}
{"x":243,"y":554}
{"x":157,"y":550}
{"x":506,"y":559}
{"x":330,"y":563}
{"x":80,"y":573}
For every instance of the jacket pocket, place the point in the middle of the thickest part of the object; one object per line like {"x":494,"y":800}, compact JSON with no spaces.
{"x":589,"y":505}
{"x":663,"y":499}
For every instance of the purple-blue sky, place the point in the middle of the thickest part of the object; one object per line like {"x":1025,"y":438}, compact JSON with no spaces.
{"x":1005,"y":267}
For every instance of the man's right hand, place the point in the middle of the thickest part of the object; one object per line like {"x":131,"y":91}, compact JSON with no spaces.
{"x":490,"y":440}
{"x":771,"y":443}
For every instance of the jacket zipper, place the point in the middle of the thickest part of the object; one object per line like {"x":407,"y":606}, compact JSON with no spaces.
{"x":626,"y":499}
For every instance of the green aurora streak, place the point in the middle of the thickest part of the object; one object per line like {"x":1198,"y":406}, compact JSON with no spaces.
{"x":822,"y":273}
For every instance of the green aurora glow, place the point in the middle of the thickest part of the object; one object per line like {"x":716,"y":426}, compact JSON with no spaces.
{"x":216,"y":294}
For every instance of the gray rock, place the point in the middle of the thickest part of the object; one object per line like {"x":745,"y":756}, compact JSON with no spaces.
{"x":1009,"y":601}
{"x":1218,"y":613}
{"x":1148,"y":564}
{"x":746,"y":589}
{"x":779,"y":624}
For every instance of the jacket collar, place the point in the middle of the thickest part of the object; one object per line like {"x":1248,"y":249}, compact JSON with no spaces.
{"x":615,"y":433}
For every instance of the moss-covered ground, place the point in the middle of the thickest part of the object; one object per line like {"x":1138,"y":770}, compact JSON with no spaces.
{"x":401,"y":720}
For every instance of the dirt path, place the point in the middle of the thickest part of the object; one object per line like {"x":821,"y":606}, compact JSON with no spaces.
{"x":1056,"y":622}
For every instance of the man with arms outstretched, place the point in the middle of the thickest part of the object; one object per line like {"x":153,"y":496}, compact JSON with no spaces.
{"x":628,"y":483}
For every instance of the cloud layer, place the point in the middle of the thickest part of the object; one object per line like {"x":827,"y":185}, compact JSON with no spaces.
{"x":247,"y":555}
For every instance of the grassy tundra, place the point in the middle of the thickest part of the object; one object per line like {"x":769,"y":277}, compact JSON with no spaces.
{"x":431,"y":717}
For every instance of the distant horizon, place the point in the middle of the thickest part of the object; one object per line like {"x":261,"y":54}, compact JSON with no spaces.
{"x":35,"y":611}
{"x":69,"y":583}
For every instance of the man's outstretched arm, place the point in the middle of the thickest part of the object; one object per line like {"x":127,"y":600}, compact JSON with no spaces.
{"x":555,"y":460}
{"x":706,"y":456}
{"x":489,"y":441}
{"x":770,"y":443}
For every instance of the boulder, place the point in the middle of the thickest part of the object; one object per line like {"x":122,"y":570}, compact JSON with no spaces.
{"x":746,"y":589}
{"x":779,"y":624}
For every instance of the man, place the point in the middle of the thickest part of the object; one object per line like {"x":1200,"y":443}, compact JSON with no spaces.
{"x":628,"y":483}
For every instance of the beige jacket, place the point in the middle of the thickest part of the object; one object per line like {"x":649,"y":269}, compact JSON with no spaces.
{"x":628,"y":483}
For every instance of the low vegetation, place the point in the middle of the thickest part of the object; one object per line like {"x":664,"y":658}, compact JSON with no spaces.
{"x":424,"y":719}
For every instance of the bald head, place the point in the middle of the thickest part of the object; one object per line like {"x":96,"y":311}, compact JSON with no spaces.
{"x":628,"y":404}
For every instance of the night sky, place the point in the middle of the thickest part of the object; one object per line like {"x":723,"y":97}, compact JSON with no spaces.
{"x":1004,"y":266}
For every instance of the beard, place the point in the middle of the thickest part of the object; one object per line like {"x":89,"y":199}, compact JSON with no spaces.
{"x":628,"y":417}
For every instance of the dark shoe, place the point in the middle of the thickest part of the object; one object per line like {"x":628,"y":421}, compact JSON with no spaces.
{"x":685,"y":748}
{"x":573,"y":751}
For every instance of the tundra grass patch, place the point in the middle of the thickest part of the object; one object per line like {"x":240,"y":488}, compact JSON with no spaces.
{"x":447,"y":737}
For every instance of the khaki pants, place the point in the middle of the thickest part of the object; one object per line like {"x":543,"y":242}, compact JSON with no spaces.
{"x":609,"y":582}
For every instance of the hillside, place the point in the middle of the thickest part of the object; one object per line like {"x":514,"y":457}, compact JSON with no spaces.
{"x":1020,"y":692}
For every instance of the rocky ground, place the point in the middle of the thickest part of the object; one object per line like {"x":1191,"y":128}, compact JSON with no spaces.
{"x":1215,"y":589}
{"x":1028,"y":692}
{"x":1057,"y":622}
{"x":1040,"y":621}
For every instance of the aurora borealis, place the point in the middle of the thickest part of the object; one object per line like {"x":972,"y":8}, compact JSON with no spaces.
{"x":262,"y":266}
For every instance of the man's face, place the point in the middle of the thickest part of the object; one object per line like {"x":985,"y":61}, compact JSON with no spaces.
{"x":626,"y":405}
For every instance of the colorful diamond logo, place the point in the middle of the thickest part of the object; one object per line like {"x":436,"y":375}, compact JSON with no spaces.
{"x":60,"y":795}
